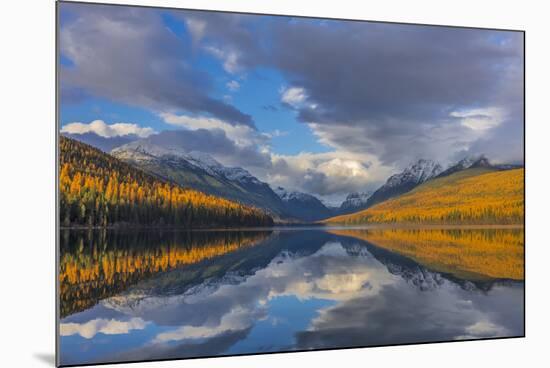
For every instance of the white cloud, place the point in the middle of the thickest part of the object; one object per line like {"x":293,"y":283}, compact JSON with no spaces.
{"x":483,"y":329}
{"x":335,"y":173}
{"x":294,"y":96}
{"x":233,"y":85}
{"x":230,"y":58}
{"x":276,"y":133}
{"x":480,"y":119}
{"x":236,"y":320}
{"x":102,"y":129}
{"x":108,"y":327}
{"x":197,"y":28}
{"x":242,"y":135}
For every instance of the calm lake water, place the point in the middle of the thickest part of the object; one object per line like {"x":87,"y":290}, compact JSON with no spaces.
{"x":142,"y":295}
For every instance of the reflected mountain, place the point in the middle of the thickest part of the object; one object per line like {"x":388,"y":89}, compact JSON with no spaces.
{"x":280,"y":291}
{"x":468,"y":253}
{"x":98,"y":264}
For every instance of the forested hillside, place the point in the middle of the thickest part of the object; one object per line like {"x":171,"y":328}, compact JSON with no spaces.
{"x":97,"y":189}
{"x":472,"y":196}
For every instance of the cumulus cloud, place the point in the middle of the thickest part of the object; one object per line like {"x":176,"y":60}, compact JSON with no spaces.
{"x":331,"y":175}
{"x":102,"y":129}
{"x":229,"y":57}
{"x":105,"y":326}
{"x":127,"y":55}
{"x":237,"y":319}
{"x":293,"y":96}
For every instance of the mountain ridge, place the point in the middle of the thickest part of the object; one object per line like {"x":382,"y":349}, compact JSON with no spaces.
{"x":303,"y":205}
{"x":400,"y":183}
{"x":202,"y":172}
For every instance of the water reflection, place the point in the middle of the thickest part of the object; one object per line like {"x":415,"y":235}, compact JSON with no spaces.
{"x":467,"y":253}
{"x":284,"y":290}
{"x":98,"y":264}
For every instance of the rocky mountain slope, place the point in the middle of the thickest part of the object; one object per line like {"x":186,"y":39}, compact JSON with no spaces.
{"x":302,"y":205}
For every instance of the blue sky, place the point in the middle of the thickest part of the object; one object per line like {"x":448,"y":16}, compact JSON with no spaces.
{"x":321,"y":106}
{"x":258,"y":94}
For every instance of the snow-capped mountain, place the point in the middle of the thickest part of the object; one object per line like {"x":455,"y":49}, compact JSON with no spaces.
{"x":302,"y":205}
{"x":200,"y":171}
{"x":355,"y":202}
{"x":408,"y":179}
{"x":417,"y":173}
{"x":467,"y":163}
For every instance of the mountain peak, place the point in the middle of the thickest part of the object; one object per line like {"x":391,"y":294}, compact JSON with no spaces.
{"x":473,"y":160}
{"x":417,"y":173}
{"x":355,"y":201}
{"x":467,"y":162}
{"x":287,"y":195}
{"x":302,"y":205}
{"x":414,"y":175}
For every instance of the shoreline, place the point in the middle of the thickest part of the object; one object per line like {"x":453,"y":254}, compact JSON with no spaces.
{"x":302,"y":227}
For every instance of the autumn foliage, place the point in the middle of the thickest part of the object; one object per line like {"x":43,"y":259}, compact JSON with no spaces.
{"x":97,"y":189}
{"x":474,"y":196}
{"x":98,"y":264}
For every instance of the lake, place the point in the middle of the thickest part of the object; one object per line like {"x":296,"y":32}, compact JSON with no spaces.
{"x":145,"y":295}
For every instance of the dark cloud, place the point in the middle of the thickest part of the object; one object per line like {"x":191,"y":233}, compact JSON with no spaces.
{"x":106,"y":144}
{"x":397,"y":85}
{"x":128,"y":55}
{"x":365,"y":71}
{"x":214,"y":142}
{"x":72,"y":95}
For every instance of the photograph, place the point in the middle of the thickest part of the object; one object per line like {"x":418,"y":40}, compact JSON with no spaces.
{"x":240,"y":183}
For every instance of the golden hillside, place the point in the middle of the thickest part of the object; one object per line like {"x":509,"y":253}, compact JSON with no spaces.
{"x":473,"y":196}
{"x":99,"y":190}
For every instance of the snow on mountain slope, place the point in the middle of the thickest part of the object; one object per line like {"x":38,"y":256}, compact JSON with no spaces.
{"x":412,"y":176}
{"x":143,"y":150}
{"x":355,"y":202}
{"x":302,"y":205}
{"x":417,"y":173}
{"x":201,"y":171}
{"x":466,"y":163}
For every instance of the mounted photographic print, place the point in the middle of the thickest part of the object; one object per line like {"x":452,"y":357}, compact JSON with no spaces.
{"x":234,"y":183}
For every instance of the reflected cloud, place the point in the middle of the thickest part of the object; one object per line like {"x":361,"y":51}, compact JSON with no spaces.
{"x":236,"y":320}
{"x":483,"y":329}
{"x":89,"y":329}
{"x":404,"y":315}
